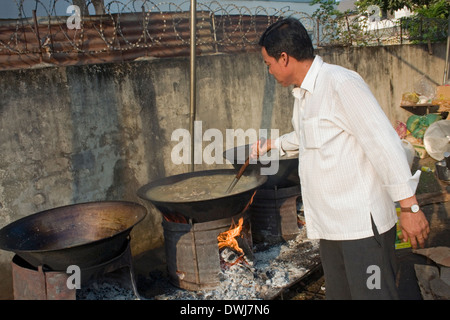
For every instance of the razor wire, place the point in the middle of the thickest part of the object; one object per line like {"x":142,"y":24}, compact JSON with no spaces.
{"x":40,"y":26}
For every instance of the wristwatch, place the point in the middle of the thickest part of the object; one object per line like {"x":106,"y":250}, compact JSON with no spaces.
{"x":414,"y":209}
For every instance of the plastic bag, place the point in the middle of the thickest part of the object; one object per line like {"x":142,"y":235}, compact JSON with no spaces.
{"x":437,"y":139}
{"x":417,"y":125}
{"x":401,"y":129}
{"x":424,"y":87}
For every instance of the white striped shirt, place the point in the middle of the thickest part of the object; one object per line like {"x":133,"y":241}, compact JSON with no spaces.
{"x":351,"y":161}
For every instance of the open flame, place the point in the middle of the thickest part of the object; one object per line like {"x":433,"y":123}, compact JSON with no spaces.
{"x":228,"y":238}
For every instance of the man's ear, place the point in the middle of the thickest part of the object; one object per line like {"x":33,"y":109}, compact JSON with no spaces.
{"x":284,"y":59}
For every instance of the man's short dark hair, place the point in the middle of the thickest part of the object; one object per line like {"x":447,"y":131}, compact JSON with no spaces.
{"x":290,"y":36}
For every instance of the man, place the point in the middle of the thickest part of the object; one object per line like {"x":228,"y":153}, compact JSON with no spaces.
{"x":352,"y":167}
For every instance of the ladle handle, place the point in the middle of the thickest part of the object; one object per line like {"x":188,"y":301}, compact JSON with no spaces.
{"x":238,"y":176}
{"x":241,"y":171}
{"x":245,"y":165}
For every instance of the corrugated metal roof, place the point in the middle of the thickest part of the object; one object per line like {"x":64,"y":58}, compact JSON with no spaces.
{"x":125,"y":37}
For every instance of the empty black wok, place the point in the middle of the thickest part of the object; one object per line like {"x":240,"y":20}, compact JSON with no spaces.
{"x":211,"y":209}
{"x":85,"y":235}
{"x":286,"y":176}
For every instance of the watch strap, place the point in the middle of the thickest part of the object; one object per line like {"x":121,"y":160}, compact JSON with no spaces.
{"x":409,"y":209}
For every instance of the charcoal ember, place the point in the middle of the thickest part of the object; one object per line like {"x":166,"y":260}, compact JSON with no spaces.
{"x":227,"y":255}
{"x":280,"y":279}
{"x":270,"y":269}
{"x":270,"y":274}
{"x":229,"y":258}
{"x":105,"y":291}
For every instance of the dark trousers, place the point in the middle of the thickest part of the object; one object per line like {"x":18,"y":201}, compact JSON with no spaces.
{"x":360,"y":269}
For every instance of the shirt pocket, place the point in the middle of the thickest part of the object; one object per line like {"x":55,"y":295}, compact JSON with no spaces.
{"x":311,"y":133}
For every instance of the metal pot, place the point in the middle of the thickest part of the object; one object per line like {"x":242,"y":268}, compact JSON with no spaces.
{"x":216,"y":208}
{"x":442,"y":171}
{"x":85,"y":235}
{"x":286,"y":176}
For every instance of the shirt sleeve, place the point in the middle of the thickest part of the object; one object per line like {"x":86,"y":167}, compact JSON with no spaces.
{"x":374,"y":132}
{"x":287,"y":142}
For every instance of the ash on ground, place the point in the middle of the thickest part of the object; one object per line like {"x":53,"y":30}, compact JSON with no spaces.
{"x":105,"y":291}
{"x":274,"y":268}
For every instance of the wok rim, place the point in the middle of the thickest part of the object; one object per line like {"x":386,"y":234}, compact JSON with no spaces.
{"x":94,"y":242}
{"x":235,"y":160}
{"x":142,"y":191}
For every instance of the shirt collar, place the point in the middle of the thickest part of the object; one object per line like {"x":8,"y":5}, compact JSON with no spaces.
{"x":309,"y":82}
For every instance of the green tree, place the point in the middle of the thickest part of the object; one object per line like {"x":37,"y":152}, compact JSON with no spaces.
{"x":392,"y":5}
{"x":430,"y":23}
{"x":437,"y":9}
{"x":336,"y":27}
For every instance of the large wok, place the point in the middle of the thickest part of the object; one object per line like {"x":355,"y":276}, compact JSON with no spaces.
{"x":286,"y":176}
{"x":216,"y":208}
{"x":85,"y":235}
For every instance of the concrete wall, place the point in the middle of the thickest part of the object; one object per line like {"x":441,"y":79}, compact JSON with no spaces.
{"x":392,"y":70}
{"x":99,"y":132}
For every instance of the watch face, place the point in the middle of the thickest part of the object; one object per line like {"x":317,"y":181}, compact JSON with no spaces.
{"x":415,"y":208}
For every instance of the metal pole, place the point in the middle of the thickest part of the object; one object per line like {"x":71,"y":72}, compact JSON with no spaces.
{"x":193,"y":26}
{"x":446,"y":54}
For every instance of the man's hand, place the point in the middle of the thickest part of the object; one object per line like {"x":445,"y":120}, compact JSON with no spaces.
{"x":260,"y":147}
{"x":414,"y":227}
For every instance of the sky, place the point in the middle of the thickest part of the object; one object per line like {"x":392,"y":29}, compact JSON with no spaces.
{"x":9,"y":9}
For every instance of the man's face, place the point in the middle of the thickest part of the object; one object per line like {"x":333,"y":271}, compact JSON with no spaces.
{"x":277,"y":68}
